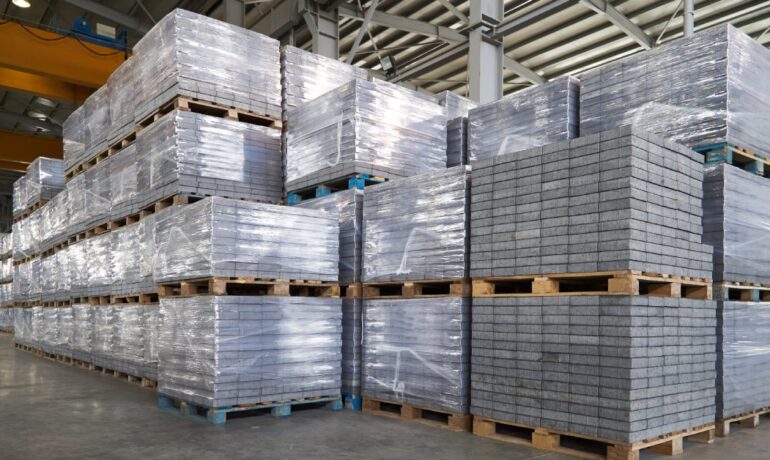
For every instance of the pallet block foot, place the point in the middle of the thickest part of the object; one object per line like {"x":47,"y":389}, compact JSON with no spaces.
{"x":622,"y":453}
{"x":672,"y":447}
{"x":545,"y":441}
{"x":280,"y":411}
{"x":751,"y":422}
{"x":707,"y":437}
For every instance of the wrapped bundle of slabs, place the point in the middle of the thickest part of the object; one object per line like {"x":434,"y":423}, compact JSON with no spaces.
{"x":225,"y":350}
{"x":457,"y":142}
{"x":700,"y":90}
{"x":103,"y":336}
{"x":6,"y":294}
{"x":73,"y":136}
{"x":22,"y":327}
{"x":27,"y":236}
{"x":529,"y":118}
{"x":743,"y":358}
{"x":348,"y":207}
{"x":126,"y":260}
{"x":306,"y":76}
{"x":49,"y":329}
{"x":78,"y":204}
{"x":20,"y":195}
{"x":55,"y":220}
{"x":82,"y":331}
{"x":26,"y":285}
{"x":188,"y":153}
{"x":220,"y":237}
{"x":736,"y":219}
{"x":63,"y":345}
{"x":96,"y":122}
{"x":45,"y":178}
{"x":150,"y":341}
{"x":6,"y":270}
{"x":37,"y":326}
{"x":128,"y":342}
{"x":375,"y":128}
{"x":98,"y":191}
{"x":100,"y":252}
{"x":55,"y":281}
{"x":417,"y":351}
{"x":78,"y":268}
{"x":124,"y":182}
{"x":456,"y":105}
{"x":417,"y":228}
{"x":622,"y":200}
{"x":122,"y":92}
{"x":6,"y":245}
{"x":6,"y":319}
{"x":192,"y":55}
{"x":352,"y":336}
{"x":620,"y":368}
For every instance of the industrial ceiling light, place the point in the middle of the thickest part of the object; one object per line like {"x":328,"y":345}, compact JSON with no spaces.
{"x":388,"y":64}
{"x":21,"y":3}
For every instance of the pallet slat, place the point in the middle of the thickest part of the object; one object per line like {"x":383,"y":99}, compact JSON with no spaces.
{"x":411,"y":289}
{"x":248,"y":286}
{"x":433,"y":417}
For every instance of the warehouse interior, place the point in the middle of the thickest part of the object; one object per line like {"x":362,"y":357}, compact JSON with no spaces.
{"x":385,"y":229}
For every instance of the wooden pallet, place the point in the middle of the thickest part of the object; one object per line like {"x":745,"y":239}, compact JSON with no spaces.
{"x":623,"y":282}
{"x":736,"y":156}
{"x":56,"y":303}
{"x":218,"y":415}
{"x":411,"y":289}
{"x":359,"y":181}
{"x":747,"y":420}
{"x":588,"y":447}
{"x":144,"y":299}
{"x":749,"y":292}
{"x":248,"y":286}
{"x":437,"y":418}
{"x":82,"y":364}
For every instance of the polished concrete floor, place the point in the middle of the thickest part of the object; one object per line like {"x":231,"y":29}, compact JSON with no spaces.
{"x":52,"y":411}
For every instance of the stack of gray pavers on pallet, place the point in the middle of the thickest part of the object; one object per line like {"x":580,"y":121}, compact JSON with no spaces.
{"x":623,"y":368}
{"x":220,"y":351}
{"x":306,"y":76}
{"x":22,"y":327}
{"x":63,"y":345}
{"x":743,"y":354}
{"x":134,"y":340}
{"x":736,"y":219}
{"x":184,"y":54}
{"x":220,"y":237}
{"x":620,"y":200}
{"x":43,"y":180}
{"x":529,"y":118}
{"x":348,"y":206}
{"x":701,"y":90}
{"x":616,"y":367}
{"x":82,"y":331}
{"x":416,"y":228}
{"x":363,"y":127}
{"x":457,"y":108}
{"x":416,"y":351}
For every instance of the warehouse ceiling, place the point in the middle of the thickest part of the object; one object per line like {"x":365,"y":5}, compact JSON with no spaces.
{"x":549,"y":38}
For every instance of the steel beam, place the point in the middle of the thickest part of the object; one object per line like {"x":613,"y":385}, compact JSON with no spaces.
{"x":522,"y":70}
{"x":125,"y":20}
{"x":30,"y":121}
{"x":406,"y":24}
{"x":25,"y":148}
{"x":485,"y":56}
{"x":64,"y":59}
{"x":426,"y":65}
{"x":620,"y":20}
{"x":324,"y":27}
{"x":533,"y":16}
{"x":689,"y":17}
{"x":48,"y":88}
{"x":234,"y":12}
{"x":362,"y":30}
{"x":453,"y":9}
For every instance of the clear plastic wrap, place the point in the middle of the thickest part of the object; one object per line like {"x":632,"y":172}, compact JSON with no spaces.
{"x":122,"y":91}
{"x":736,"y":221}
{"x":78,"y":204}
{"x":417,"y":228}
{"x":227,"y":350}
{"x":234,"y":238}
{"x":63,"y":345}
{"x":26,"y":276}
{"x":78,"y":268}
{"x":348,"y":206}
{"x":26,"y":236}
{"x":6,"y":262}
{"x":191,"y":153}
{"x":45,"y":178}
{"x":20,"y":195}
{"x":529,"y":118}
{"x":103,"y":336}
{"x":82,"y":331}
{"x":124,"y":182}
{"x":150,"y":341}
{"x":622,"y":368}
{"x":457,"y":142}
{"x":6,"y":319}
{"x":49,"y":329}
{"x":98,"y":191}
{"x":417,"y":351}
{"x":6,"y":245}
{"x":376,"y":128}
{"x":22,"y":326}
{"x":100,"y":268}
{"x":55,"y":220}
{"x":700,"y":90}
{"x":6,"y":294}
{"x":96,"y":123}
{"x":197,"y":56}
{"x":128,"y":343}
{"x":131,"y":269}
{"x":306,"y":75}
{"x":74,"y":136}
{"x":37,"y":326}
{"x":456,"y":105}
{"x":620,"y":200}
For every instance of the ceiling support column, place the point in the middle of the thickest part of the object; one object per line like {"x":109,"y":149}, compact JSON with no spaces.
{"x":485,"y":54}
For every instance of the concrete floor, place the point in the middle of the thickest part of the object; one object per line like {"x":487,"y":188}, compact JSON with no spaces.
{"x":54,"y":411}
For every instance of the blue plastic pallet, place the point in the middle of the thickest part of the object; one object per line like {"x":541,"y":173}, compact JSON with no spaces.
{"x":359,"y":181}
{"x":735,"y":156}
{"x":351,"y":401}
{"x":218,"y":415}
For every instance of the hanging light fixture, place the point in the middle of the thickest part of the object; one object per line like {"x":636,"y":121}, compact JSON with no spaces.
{"x":21,"y":3}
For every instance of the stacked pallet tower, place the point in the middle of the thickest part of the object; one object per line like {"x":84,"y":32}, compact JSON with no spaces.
{"x":457,"y":108}
{"x":720,"y":117}
{"x":7,"y":310}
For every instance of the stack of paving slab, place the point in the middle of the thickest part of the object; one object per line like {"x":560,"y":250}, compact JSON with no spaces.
{"x":220,"y":237}
{"x":63,"y":344}
{"x":620,"y":200}
{"x":185,"y":54}
{"x":457,"y":108}
{"x":7,"y":319}
{"x":134,"y":342}
{"x":364,"y":127}
{"x":417,"y":350}
{"x":6,"y":269}
{"x":81,"y":345}
{"x":49,"y":329}
{"x":102,"y":337}
{"x":533,"y":117}
{"x":622,"y":368}
{"x":348,"y":207}
{"x":22,"y":327}
{"x":306,"y":76}
{"x":226,"y":350}
{"x":706,"y":89}
{"x":736,"y":218}
{"x":43,"y":180}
